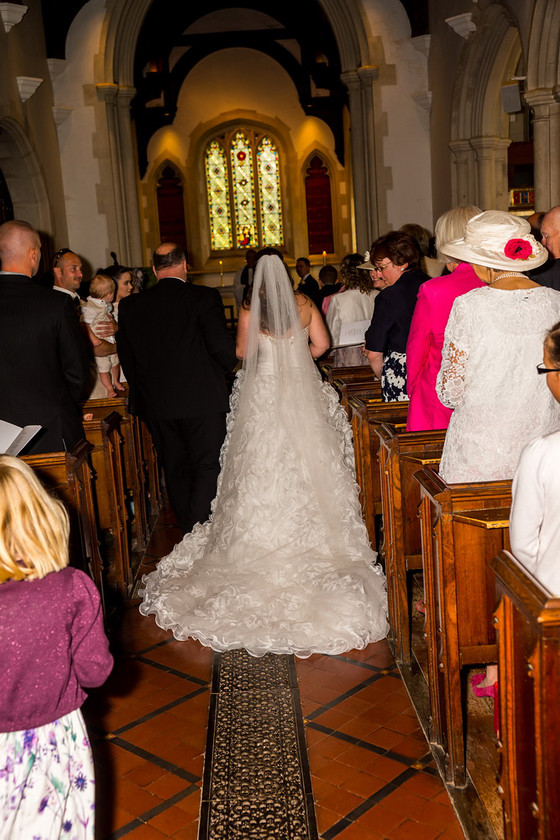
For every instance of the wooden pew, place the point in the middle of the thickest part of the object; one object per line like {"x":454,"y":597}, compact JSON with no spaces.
{"x":106,"y":458}
{"x":528,"y":630}
{"x":365,"y":415}
{"x":463,"y":527}
{"x":134,"y":475}
{"x":151,"y":467}
{"x":68,"y":475}
{"x":329,"y":371}
{"x":401,"y":455}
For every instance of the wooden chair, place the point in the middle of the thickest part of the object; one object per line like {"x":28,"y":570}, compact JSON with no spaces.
{"x":528,"y":631}
{"x":401,"y":455}
{"x":69,"y":476}
{"x":463,"y":527}
{"x":134,"y":475}
{"x":365,"y":415}
{"x":106,"y":457}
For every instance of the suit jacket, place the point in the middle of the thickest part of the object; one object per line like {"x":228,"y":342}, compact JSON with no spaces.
{"x":43,"y":362}
{"x":175,"y":350}
{"x":310,"y":287}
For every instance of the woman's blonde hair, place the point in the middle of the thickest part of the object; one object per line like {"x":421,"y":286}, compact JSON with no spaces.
{"x":34,"y":526}
{"x":451,"y":225}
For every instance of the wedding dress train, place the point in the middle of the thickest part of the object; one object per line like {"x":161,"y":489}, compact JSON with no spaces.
{"x":284,"y":563}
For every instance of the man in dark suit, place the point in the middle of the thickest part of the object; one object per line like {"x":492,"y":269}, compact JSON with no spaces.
{"x":43,"y":359}
{"x":175,"y":351}
{"x":307,"y":284}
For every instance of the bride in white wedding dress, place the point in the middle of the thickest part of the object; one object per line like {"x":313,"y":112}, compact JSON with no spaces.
{"x":284,"y":563}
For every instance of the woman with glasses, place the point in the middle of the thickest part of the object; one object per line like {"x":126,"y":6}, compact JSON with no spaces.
{"x":395,"y":268}
{"x":493,"y":341}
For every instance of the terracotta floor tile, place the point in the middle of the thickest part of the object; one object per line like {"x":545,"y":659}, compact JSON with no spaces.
{"x":437,"y":815}
{"x":381,"y":820}
{"x":452,"y":832}
{"x":145,"y":774}
{"x":360,"y":728}
{"x":190,"y":805}
{"x":169,"y":821}
{"x":146,"y":832}
{"x":363,"y":784}
{"x":406,"y":724}
{"x":167,"y":786}
{"x":330,"y":747}
{"x":325,"y":818}
{"x":336,"y":773}
{"x":333,"y":719}
{"x":384,"y":768}
{"x":188,"y":832}
{"x":358,"y":832}
{"x":415,"y":746}
{"x":425,"y":785}
{"x":406,"y":803}
{"x":385,"y":738}
{"x":410,"y":830}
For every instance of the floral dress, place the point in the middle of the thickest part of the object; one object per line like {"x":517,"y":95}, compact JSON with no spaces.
{"x":46,"y":782}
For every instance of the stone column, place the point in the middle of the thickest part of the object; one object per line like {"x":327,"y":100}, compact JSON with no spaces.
{"x":491,"y":172}
{"x":463,"y":183}
{"x":545,"y":104}
{"x":120,"y":178}
{"x":362,"y":130}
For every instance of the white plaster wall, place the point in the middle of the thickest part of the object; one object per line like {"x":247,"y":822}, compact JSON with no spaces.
{"x":405,"y":145}
{"x":238,"y":79}
{"x":87,"y":228}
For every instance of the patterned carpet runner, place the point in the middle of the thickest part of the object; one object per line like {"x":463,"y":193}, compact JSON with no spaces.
{"x":256,"y":783}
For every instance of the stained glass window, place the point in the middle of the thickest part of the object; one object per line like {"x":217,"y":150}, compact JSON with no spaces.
{"x":243,"y":191}
{"x":218,"y":196}
{"x":243,"y":173}
{"x":269,"y":193}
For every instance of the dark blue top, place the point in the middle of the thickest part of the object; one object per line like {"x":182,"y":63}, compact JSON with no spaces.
{"x":394,"y":306}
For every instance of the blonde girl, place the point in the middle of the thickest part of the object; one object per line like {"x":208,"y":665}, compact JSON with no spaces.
{"x":52,"y":644}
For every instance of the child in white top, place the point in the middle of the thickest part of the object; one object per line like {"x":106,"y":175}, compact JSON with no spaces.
{"x":97,"y":308}
{"x":534,"y":527}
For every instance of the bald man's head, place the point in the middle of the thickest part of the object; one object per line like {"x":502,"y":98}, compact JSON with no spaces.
{"x":550,"y":231}
{"x":20,"y":248}
{"x":170,"y":261}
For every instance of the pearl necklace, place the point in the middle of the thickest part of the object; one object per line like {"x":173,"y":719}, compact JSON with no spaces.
{"x":506,"y":274}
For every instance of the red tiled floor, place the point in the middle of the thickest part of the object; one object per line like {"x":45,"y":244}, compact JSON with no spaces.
{"x":359,"y":696}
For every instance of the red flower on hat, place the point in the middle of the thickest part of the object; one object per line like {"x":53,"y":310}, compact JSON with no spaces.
{"x":518,"y":249}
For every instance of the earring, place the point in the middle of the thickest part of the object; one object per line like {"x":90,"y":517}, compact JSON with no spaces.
{"x":402,"y":267}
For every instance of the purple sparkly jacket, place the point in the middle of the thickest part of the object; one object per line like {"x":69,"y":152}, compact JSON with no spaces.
{"x":52,"y":643}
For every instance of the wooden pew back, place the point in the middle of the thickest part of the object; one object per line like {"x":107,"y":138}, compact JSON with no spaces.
{"x":69,"y":476}
{"x":528,"y":629}
{"x":401,"y":455}
{"x":463,"y":527}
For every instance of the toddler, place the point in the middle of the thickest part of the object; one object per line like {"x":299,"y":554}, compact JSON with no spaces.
{"x":97,"y":308}
{"x":52,"y":644}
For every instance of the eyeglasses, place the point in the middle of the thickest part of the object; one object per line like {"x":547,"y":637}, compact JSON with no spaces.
{"x":59,"y":254}
{"x":542,"y":369}
{"x":380,"y":268}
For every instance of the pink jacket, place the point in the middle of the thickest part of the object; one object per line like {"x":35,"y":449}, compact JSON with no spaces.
{"x":425,"y":343}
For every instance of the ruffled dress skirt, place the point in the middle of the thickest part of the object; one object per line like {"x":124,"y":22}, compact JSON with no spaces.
{"x":282,"y":565}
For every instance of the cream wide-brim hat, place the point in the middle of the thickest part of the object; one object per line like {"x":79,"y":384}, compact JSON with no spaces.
{"x":496,"y":239}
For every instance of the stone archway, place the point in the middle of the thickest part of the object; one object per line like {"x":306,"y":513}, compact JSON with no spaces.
{"x":479,"y":126}
{"x":115,"y":79}
{"x":23,"y":176}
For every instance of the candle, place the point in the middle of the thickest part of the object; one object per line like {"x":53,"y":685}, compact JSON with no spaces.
{"x":324,"y":257}
{"x":221,"y":274}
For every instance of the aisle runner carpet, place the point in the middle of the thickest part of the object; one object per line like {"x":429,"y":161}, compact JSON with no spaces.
{"x":256,"y":777}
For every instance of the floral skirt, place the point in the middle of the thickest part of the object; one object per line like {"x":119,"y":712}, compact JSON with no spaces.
{"x":47,"y":789}
{"x":393,"y":378}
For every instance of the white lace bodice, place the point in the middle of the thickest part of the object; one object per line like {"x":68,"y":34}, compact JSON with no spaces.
{"x":493,"y":342}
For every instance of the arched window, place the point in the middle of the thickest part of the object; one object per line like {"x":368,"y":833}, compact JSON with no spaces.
{"x":243,"y":189}
{"x":319,"y":207}
{"x":171,"y":208}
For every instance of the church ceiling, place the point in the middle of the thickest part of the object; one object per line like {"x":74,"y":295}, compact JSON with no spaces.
{"x":304,"y":45}
{"x":175,"y":37}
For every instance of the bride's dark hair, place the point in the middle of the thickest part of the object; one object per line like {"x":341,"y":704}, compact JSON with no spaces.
{"x":264,"y":314}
